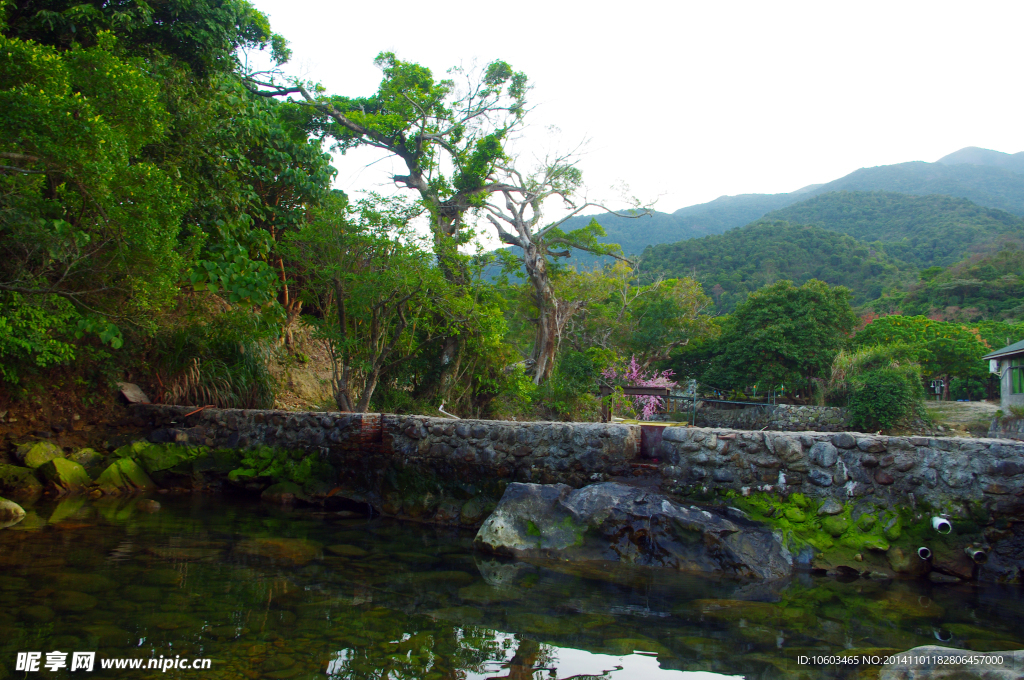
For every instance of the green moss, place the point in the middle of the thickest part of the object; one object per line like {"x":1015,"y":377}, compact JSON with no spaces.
{"x":837,"y":539}
{"x":866,"y":521}
{"x":799,"y":500}
{"x":531,"y":528}
{"x":835,"y":526}
{"x":795,"y":515}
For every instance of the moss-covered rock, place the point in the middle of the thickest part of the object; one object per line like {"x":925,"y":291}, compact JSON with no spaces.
{"x":835,"y":525}
{"x":158,"y":457}
{"x":34,"y":454}
{"x":124,"y":476}
{"x":90,"y":459}
{"x":66,"y":475}
{"x":19,"y":482}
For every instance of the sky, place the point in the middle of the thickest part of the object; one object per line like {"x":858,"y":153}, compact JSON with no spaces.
{"x":687,"y":101}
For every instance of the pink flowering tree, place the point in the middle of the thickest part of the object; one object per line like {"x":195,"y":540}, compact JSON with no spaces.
{"x":634,"y":375}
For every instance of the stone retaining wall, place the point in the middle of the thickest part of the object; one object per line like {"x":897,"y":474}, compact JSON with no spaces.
{"x":782,"y":417}
{"x":454,"y":471}
{"x":1006,"y":428}
{"x":940,"y":472}
{"x":364,"y":446}
{"x":936,"y":471}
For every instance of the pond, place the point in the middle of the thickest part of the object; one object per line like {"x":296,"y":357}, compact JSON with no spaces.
{"x":256,"y":591}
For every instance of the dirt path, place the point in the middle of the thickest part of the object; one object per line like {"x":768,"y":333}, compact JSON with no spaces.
{"x":972,"y":416}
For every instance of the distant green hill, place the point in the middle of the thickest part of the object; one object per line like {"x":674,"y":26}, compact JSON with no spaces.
{"x":987,"y":186}
{"x":714,"y":217}
{"x":990,"y":179}
{"x":735,"y":263}
{"x":922,"y":230}
{"x":973,"y":155}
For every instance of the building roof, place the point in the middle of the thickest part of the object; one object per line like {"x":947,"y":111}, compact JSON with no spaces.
{"x":1015,"y":348}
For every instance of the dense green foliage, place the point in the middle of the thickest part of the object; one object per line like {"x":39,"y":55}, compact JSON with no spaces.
{"x":882,"y":398}
{"x":740,"y":261}
{"x":982,"y":286}
{"x":782,"y":337}
{"x":166,"y":214}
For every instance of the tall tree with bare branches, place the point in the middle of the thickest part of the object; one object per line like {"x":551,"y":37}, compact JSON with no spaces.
{"x":516,"y":211}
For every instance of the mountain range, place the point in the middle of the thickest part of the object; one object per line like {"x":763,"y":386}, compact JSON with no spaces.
{"x":990,"y":179}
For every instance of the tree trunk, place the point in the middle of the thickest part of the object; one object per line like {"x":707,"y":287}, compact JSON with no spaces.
{"x":342,"y":390}
{"x":544,"y":345}
{"x":369,"y":385}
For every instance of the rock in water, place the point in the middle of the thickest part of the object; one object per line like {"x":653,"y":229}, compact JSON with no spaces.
{"x":10,"y":513}
{"x":66,"y":475}
{"x":932,"y":662}
{"x":612,"y":521}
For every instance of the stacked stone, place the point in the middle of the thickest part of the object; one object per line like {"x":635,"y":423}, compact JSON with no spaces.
{"x":239,"y":428}
{"x":572,"y":453}
{"x":937,"y":471}
{"x":804,"y":418}
{"x":782,"y":417}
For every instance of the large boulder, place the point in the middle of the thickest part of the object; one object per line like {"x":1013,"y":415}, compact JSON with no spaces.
{"x":90,"y":459}
{"x":66,"y":475}
{"x":10,"y":513}
{"x":124,"y":477}
{"x":612,"y":521}
{"x":19,"y":482}
{"x":35,"y":454}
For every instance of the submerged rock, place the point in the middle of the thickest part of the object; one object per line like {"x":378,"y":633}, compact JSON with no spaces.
{"x":938,"y":663}
{"x":612,"y":521}
{"x":295,"y":551}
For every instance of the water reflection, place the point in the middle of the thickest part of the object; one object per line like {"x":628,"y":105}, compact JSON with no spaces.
{"x":269,"y":593}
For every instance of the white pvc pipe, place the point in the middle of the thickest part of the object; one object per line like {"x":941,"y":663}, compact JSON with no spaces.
{"x":942,"y":525}
{"x":924,"y":553}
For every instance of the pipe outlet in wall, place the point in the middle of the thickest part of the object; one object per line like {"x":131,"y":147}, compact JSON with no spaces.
{"x":979,"y":555}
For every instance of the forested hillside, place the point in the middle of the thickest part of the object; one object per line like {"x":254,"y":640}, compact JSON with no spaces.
{"x":923,"y":230}
{"x":738,"y":262}
{"x":989,"y":179}
{"x":982,"y":286}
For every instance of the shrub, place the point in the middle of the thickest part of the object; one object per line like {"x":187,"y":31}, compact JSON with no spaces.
{"x":220,"y":361}
{"x":883,"y":397}
{"x":968,"y":388}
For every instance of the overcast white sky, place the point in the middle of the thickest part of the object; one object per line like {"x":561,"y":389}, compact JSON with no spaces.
{"x":687,"y":101}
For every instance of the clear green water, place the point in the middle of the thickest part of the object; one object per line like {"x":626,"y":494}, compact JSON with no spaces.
{"x":278,"y":594}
